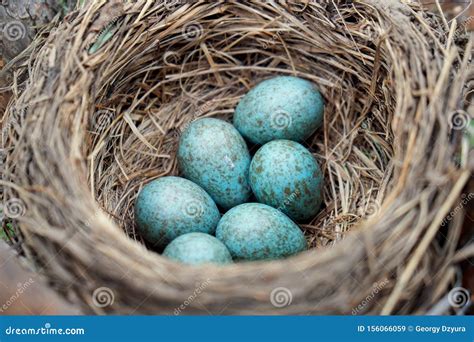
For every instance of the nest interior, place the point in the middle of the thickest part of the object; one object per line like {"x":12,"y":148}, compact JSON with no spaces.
{"x":202,"y":68}
{"x":110,"y":91}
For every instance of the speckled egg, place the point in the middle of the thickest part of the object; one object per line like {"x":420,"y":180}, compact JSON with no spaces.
{"x":255,"y":231}
{"x":286,"y":176}
{"x":171,"y":206}
{"x":198,"y":248}
{"x":283,"y":107}
{"x":214,"y":155}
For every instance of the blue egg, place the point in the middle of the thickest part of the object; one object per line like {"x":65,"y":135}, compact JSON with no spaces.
{"x":254,"y":231}
{"x":283,"y":107}
{"x":198,"y":248}
{"x":171,"y":206}
{"x":214,"y":155}
{"x":286,"y":176}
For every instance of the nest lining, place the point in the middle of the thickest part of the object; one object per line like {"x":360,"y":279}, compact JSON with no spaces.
{"x":92,"y":128}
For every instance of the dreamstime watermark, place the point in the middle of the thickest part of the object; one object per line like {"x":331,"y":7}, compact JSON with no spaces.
{"x":289,"y":200}
{"x":13,"y":30}
{"x":21,"y":288}
{"x":192,"y":31}
{"x":370,"y":208}
{"x":94,"y":217}
{"x":458,"y":120}
{"x":375,"y":290}
{"x":276,"y":36}
{"x":6,"y":127}
{"x":12,"y":208}
{"x":3,"y":158}
{"x":228,"y":160}
{"x":197,"y":291}
{"x":12,"y":122}
{"x":464,"y":200}
{"x":280,"y":119}
{"x":171,"y":58}
{"x":104,"y":35}
{"x":103,"y":297}
{"x":462,"y":27}
{"x":171,"y":5}
{"x":193,"y":208}
{"x":46,"y":330}
{"x":366,"y":123}
{"x":101,"y":120}
{"x":459,"y":297}
{"x":281,"y":297}
{"x":198,"y":113}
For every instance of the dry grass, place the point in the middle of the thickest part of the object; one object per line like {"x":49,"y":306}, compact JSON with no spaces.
{"x":90,"y":129}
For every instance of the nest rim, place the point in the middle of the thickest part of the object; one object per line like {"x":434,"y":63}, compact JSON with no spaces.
{"x":272,"y":273}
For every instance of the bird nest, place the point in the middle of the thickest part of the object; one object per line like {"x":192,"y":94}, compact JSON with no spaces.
{"x":101,"y":104}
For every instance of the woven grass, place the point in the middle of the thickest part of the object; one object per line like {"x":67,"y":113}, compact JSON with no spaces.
{"x":98,"y":113}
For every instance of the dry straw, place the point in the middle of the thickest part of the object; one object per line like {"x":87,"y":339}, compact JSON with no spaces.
{"x":107,"y":94}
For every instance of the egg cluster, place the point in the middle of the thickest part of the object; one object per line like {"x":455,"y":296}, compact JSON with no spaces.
{"x":182,"y":215}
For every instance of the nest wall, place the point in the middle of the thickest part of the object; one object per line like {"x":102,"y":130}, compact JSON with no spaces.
{"x":103,"y":100}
